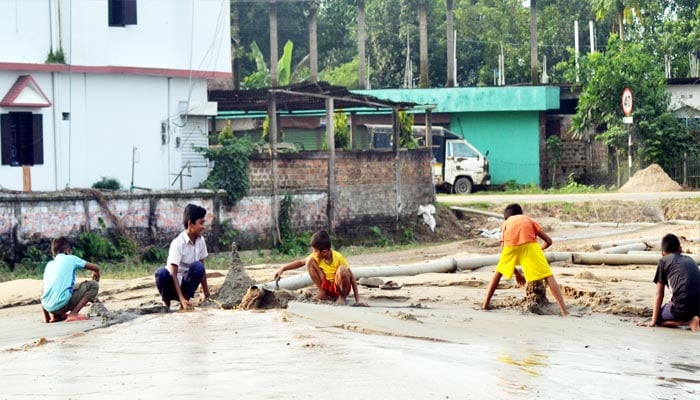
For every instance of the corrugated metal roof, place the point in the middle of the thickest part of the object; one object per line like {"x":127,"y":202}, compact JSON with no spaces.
{"x":299,"y":97}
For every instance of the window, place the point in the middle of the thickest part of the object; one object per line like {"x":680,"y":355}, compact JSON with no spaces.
{"x":464,"y":151}
{"x":122,"y":12}
{"x":22,"y":139}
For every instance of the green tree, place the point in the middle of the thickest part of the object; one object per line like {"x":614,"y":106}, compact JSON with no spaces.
{"x":658,"y":135}
{"x":620,"y":11}
{"x":254,"y":27}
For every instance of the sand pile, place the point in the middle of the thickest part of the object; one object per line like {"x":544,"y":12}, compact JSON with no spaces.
{"x":651,"y":179}
{"x":239,"y":291}
{"x":236,"y":284}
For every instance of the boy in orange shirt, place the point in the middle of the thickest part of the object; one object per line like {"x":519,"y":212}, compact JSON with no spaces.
{"x":328,"y":270}
{"x":520,"y":247}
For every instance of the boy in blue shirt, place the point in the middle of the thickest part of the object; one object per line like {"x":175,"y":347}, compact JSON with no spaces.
{"x":61,"y":298}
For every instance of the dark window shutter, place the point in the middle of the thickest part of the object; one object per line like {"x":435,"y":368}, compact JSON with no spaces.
{"x":24,"y":124}
{"x":5,"y":140}
{"x":129,"y":12}
{"x":38,"y":139}
{"x":122,"y":12}
{"x":116,"y":12}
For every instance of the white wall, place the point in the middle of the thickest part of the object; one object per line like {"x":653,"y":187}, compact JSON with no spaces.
{"x":109,"y":116}
{"x":681,"y":95}
{"x":174,"y":34}
{"x":25,"y":31}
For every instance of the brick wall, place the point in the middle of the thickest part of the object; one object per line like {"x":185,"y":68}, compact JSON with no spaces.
{"x":369,"y":192}
{"x":584,"y":159}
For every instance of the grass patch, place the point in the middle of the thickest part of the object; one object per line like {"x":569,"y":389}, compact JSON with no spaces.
{"x":479,"y":205}
{"x":571,"y":187}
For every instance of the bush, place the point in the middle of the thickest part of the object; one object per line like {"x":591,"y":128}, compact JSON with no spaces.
{"x":107,"y":184}
{"x":230,"y":171}
{"x":155,"y":255}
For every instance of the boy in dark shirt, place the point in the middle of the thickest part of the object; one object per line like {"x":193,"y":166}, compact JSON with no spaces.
{"x":681,"y":274}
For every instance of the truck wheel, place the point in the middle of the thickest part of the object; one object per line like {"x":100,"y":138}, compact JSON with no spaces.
{"x":462,"y":186}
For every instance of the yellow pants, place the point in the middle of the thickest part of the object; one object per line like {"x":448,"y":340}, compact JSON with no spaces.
{"x":530,"y":256}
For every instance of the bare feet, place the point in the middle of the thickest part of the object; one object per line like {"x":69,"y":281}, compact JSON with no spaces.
{"x":341,"y":301}
{"x":694,"y":324}
{"x":76,"y":317}
{"x":321,"y":296}
{"x":57,"y":318}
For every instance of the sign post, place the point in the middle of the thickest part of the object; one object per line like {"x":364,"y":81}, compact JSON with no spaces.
{"x":627,"y":120}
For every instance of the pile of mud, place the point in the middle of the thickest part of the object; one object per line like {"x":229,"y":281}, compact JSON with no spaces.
{"x":651,"y":179}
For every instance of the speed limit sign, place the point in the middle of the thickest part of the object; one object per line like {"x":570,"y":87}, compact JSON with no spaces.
{"x":627,"y":101}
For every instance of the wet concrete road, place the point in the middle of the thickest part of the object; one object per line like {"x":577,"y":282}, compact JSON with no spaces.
{"x":320,"y":352}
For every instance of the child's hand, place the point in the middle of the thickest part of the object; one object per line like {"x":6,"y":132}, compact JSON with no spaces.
{"x":185,"y":304}
{"x":278,"y":275}
{"x":96,"y":275}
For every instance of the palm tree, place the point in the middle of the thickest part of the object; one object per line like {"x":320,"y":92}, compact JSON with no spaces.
{"x":361,"y":43}
{"x":274,"y":79}
{"x":313,"y":42}
{"x":450,"y":44}
{"x":423,"y":28}
{"x":621,"y":10}
{"x":533,"y":42}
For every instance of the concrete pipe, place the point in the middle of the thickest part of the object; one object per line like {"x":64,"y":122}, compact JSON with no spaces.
{"x":624,"y":249}
{"x":620,"y":259}
{"x":614,"y":243}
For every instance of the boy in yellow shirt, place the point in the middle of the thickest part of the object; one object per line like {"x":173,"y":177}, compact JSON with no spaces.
{"x":328,"y":270}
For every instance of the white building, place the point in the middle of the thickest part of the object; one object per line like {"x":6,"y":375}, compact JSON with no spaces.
{"x":128,"y":100}
{"x":685,"y":100}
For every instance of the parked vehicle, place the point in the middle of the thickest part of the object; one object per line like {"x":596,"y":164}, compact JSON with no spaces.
{"x":458,"y":167}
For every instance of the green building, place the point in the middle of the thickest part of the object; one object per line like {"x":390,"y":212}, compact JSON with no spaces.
{"x":508,"y":122}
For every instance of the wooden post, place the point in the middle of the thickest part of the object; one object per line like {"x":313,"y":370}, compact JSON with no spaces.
{"x":429,"y":129}
{"x":330,"y":140}
{"x":26,"y":178}
{"x":272,"y":137}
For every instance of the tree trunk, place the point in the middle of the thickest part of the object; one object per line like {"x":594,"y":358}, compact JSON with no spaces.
{"x":274,"y":74}
{"x":235,"y":33}
{"x":533,"y":43}
{"x":450,"y":44}
{"x":423,"y":27}
{"x":313,"y":42}
{"x":362,"y":79}
{"x":621,"y":20}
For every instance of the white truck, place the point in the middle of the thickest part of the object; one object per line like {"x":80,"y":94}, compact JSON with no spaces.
{"x":458,"y":167}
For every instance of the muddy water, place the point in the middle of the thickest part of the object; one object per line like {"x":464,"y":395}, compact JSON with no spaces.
{"x":318,"y":352}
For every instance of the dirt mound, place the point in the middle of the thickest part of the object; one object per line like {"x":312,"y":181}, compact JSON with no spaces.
{"x":651,"y":179}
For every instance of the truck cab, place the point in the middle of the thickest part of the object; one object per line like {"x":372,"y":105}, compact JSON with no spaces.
{"x":458,"y":167}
